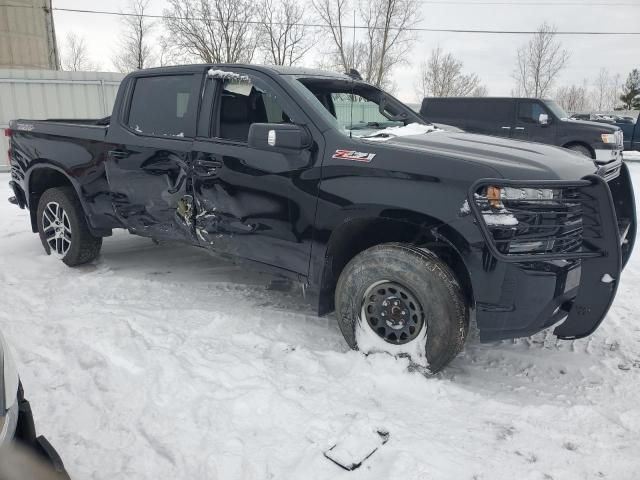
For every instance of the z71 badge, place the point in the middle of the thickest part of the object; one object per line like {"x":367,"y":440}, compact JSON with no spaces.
{"x":353,"y":155}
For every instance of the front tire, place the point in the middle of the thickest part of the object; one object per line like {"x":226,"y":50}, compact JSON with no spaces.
{"x":63,"y":229}
{"x":404,"y":301}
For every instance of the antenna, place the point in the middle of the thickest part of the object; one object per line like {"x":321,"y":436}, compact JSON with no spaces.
{"x":353,"y":65}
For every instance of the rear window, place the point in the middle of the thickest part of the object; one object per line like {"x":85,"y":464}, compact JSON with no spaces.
{"x":479,"y":109}
{"x":163,"y":106}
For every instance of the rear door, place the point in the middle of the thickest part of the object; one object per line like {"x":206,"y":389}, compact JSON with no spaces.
{"x":149,"y":158}
{"x":527,"y":125}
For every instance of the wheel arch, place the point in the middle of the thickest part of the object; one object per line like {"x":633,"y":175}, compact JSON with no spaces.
{"x":574,"y":143}
{"x":42,"y":177}
{"x":416,"y":230}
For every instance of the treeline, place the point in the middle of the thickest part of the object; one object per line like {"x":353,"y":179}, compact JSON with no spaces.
{"x":284,"y":32}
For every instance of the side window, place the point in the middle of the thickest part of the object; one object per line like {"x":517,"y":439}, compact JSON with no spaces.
{"x":244,"y":103}
{"x":529,"y":112}
{"x":162,"y":105}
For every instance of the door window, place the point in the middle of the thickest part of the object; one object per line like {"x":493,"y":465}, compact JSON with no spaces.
{"x":163,"y":105}
{"x":243,"y":103}
{"x":529,"y":112}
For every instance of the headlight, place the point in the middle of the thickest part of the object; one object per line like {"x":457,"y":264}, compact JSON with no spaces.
{"x":609,"y":138}
{"x":498,"y":196}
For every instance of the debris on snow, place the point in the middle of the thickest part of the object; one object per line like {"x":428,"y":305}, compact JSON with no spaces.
{"x":357,"y":443}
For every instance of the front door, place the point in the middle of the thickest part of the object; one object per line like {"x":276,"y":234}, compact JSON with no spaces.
{"x":251,"y":203}
{"x":148,"y":163}
{"x":528,"y":126}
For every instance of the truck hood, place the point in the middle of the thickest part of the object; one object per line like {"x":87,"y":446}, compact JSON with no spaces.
{"x":513,"y":159}
{"x":596,"y":126}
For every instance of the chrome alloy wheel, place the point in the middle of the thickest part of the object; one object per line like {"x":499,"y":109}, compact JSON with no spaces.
{"x":57,"y":229}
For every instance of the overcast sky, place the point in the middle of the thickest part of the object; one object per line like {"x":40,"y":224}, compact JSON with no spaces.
{"x":492,"y":57}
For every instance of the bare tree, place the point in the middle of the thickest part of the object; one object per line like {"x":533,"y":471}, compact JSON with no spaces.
{"x":135,"y":51}
{"x":480,"y":91}
{"x":601,"y":89}
{"x":539,"y":62}
{"x":442,"y":76}
{"x":573,"y":98}
{"x":614,"y":91}
{"x":214,"y":31}
{"x":283,"y":38}
{"x":332,"y":14}
{"x":75,"y":55}
{"x":170,"y":54}
{"x":387,"y":35}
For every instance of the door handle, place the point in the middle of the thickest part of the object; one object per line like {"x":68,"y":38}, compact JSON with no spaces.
{"x":207,"y":167}
{"x":520,"y":129}
{"x":118,"y":154}
{"x":506,"y":128}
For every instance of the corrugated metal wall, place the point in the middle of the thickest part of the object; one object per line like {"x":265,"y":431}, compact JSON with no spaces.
{"x":362,"y":112}
{"x":42,"y":94}
{"x":27,"y":35}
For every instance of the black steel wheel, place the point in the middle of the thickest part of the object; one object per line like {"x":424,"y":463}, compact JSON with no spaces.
{"x":404,"y":301}
{"x":393,"y":312}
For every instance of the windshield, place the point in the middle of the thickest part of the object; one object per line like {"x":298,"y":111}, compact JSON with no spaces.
{"x":556,"y":109}
{"x":356,"y":108}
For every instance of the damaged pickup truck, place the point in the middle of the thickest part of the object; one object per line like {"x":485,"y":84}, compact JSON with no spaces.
{"x":403,"y":228}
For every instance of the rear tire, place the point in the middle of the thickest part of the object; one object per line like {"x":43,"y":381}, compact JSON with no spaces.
{"x":404,"y":301}
{"x":581,"y":149}
{"x":63,"y":228}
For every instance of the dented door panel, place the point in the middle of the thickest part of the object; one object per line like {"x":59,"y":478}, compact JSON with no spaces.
{"x":150,"y":187}
{"x":245,"y":207}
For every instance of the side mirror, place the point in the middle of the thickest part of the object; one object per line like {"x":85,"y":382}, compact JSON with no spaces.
{"x":543,"y":119}
{"x":279,"y":137}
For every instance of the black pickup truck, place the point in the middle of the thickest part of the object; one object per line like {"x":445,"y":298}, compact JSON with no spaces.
{"x":631,"y":132}
{"x":402,"y":227}
{"x":531,"y":119}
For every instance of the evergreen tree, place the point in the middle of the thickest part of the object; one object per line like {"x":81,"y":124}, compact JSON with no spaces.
{"x":631,"y":91}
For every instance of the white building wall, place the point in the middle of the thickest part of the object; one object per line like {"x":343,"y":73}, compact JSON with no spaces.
{"x":42,"y":94}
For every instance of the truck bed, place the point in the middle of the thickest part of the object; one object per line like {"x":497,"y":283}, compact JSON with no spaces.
{"x":86,"y":129}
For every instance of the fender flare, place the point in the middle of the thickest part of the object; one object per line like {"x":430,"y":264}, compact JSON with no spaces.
{"x":423,"y":230}
{"x":41,"y":164}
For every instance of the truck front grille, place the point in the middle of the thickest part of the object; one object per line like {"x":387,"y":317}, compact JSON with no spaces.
{"x":533,"y":226}
{"x":547,"y":220}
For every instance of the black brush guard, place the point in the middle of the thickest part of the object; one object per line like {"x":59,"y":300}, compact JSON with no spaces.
{"x":608,"y":237}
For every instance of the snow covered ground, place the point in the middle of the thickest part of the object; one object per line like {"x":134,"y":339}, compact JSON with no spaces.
{"x":633,"y":155}
{"x":163,"y":362}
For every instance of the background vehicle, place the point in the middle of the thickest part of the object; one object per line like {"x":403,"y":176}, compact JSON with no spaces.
{"x":399,"y":226}
{"x":16,"y":420}
{"x":631,"y":132}
{"x":529,"y":119}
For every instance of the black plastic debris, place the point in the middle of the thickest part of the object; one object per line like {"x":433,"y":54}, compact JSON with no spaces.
{"x":355,"y":447}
